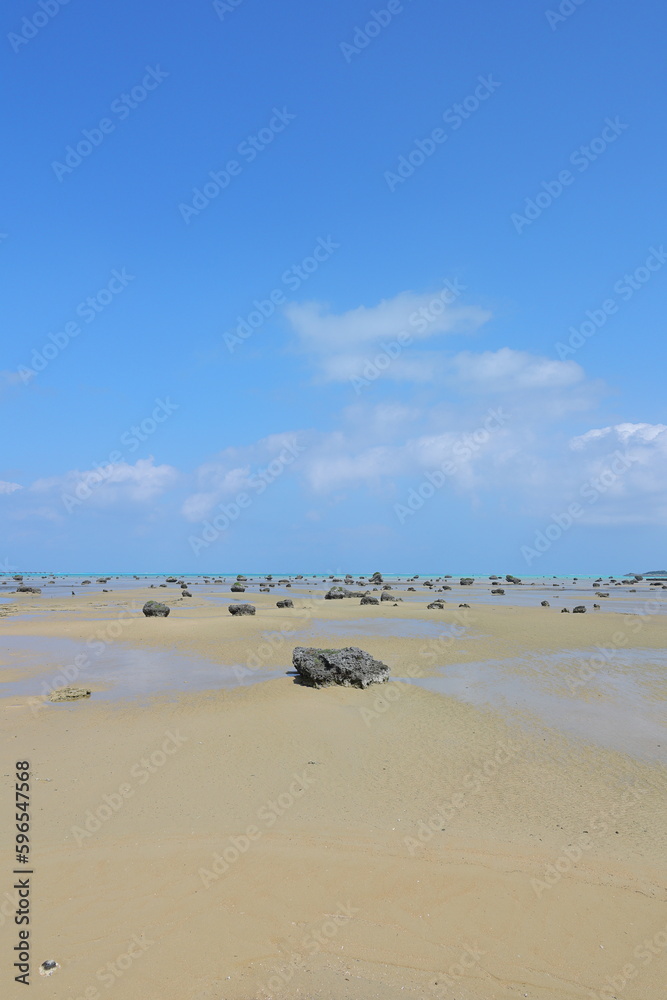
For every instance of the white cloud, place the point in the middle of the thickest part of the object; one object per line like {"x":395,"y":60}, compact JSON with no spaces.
{"x":344,"y":344}
{"x":6,"y":487}
{"x":506,"y":370}
{"x":236,"y":470}
{"x":112,"y":483}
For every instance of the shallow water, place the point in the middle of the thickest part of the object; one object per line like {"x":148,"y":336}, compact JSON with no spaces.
{"x":614,"y":708}
{"x":382,"y":626}
{"x":128,"y":672}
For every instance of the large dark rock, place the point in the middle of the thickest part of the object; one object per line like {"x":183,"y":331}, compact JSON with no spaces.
{"x":336,"y":593}
{"x":351,"y":667}
{"x":153,"y":609}
{"x":287,"y":603}
{"x":512,"y":579}
{"x":236,"y":588}
{"x":367,"y":599}
{"x":466,"y":581}
{"x":241,"y":609}
{"x":171,"y":579}
{"x":28,"y":590}
{"x":579,"y":610}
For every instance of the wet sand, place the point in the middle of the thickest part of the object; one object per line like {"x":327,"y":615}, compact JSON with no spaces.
{"x":268,"y":840}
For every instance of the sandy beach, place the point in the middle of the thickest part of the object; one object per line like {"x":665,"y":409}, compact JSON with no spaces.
{"x":265,"y":839}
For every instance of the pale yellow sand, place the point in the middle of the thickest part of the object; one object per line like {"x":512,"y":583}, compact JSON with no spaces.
{"x":356,"y":777}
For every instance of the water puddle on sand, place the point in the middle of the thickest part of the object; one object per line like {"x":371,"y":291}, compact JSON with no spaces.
{"x":621,"y":707}
{"x":378,"y":627}
{"x":125,"y":671}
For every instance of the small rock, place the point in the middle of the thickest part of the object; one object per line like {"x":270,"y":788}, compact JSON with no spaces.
{"x":287,"y":603}
{"x":545,"y":604}
{"x":241,"y":609}
{"x":565,"y":611}
{"x":435,"y":606}
{"x":498,"y":590}
{"x":153,"y":609}
{"x":186,"y":593}
{"x":579,"y":610}
{"x":464,"y":605}
{"x":69,"y":694}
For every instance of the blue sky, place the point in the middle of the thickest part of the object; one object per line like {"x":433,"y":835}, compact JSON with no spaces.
{"x":426,"y":201}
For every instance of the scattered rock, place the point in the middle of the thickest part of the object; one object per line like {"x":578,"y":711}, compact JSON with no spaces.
{"x":435,"y":606}
{"x":28,"y":590}
{"x":351,"y":667}
{"x":497,"y":590}
{"x":565,"y":611}
{"x":466,"y":581}
{"x":171,"y":579}
{"x":236,"y":588}
{"x":186,"y":593}
{"x":596,"y":607}
{"x":153,"y":609}
{"x":512,"y":579}
{"x":600,"y":594}
{"x":367,"y":599}
{"x":287,"y":603}
{"x":48,"y":968}
{"x":464,"y":605}
{"x":241,"y":609}
{"x":69,"y":694}
{"x":579,"y":610}
{"x":545,"y":604}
